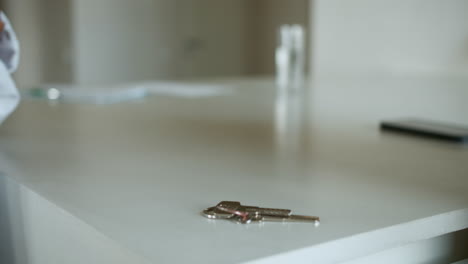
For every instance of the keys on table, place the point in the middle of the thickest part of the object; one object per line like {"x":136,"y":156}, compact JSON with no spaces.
{"x":248,"y":214}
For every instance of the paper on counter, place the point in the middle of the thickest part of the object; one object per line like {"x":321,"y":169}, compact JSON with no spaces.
{"x":87,"y":95}
{"x":111,"y":94}
{"x":186,"y":89}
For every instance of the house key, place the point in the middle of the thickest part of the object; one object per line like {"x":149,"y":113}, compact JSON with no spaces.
{"x":248,"y":214}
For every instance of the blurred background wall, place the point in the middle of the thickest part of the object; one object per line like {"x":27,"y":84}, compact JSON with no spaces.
{"x":43,"y":27}
{"x":111,"y":41}
{"x":121,"y":40}
{"x":396,"y":37}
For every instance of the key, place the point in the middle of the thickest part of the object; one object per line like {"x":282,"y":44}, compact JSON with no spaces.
{"x":291,"y":218}
{"x":246,"y":212}
{"x":215,"y":213}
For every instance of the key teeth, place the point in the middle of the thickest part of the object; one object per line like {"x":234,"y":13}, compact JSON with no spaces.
{"x":275,"y":212}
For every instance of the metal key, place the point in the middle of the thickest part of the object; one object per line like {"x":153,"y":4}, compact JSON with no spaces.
{"x":245,"y":212}
{"x":291,"y":218}
{"x":215,"y":213}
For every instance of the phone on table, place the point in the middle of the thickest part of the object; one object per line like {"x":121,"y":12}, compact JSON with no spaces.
{"x":426,"y":128}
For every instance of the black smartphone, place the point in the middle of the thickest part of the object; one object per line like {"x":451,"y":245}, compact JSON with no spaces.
{"x":428,"y":128}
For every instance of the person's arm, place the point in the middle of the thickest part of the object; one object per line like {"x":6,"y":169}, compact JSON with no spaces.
{"x":9,"y":56}
{"x":9,"y":46}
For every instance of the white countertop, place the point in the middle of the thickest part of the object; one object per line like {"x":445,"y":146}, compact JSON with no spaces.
{"x":140,"y":173}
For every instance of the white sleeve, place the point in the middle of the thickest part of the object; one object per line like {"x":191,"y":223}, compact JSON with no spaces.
{"x":9,"y":46}
{"x":9,"y":96}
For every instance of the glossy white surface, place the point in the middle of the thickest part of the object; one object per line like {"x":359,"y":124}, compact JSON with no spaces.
{"x":140,"y":173}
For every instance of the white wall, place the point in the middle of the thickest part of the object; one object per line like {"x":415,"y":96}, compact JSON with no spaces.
{"x":415,"y":36}
{"x":222,"y":29}
{"x":56,"y":23}
{"x":120,"y":40}
{"x":111,"y":41}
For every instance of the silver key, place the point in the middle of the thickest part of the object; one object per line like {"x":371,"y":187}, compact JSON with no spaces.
{"x":243,"y":212}
{"x":291,"y":218}
{"x":215,"y":213}
{"x":248,"y":214}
